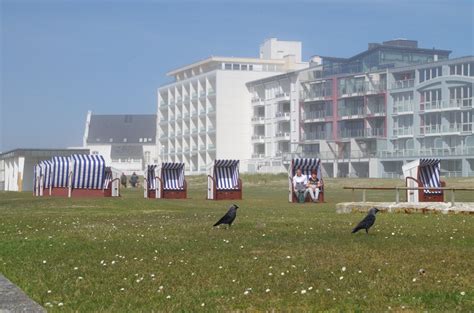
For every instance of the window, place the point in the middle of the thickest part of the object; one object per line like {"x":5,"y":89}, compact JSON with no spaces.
{"x":111,"y":139}
{"x":228,"y":66}
{"x":236,"y":67}
{"x":243,"y":67}
{"x":95,"y":152}
{"x":124,"y":139}
{"x":147,"y":157}
{"x":140,"y":139}
{"x":250,"y":67}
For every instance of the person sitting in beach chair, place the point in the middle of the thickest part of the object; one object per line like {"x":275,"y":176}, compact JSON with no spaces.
{"x":313,"y":187}
{"x":300,"y":184}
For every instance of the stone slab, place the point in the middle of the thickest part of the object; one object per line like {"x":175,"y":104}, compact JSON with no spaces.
{"x":14,"y":300}
{"x":408,"y":207}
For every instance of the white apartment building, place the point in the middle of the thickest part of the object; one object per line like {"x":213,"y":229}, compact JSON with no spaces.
{"x":204,"y":114}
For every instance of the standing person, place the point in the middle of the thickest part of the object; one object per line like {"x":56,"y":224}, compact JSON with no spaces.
{"x":123,"y":180}
{"x":134,"y":180}
{"x":313,"y":187}
{"x":300,"y":182}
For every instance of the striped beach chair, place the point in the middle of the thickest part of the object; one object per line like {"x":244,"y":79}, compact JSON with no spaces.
{"x":223,"y":181}
{"x":165,"y":181}
{"x":307,"y":166}
{"x":60,"y":176}
{"x":42,"y":177}
{"x":424,"y":173}
{"x":112,"y":182}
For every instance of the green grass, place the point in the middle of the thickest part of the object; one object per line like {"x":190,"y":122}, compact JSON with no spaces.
{"x":95,"y":247}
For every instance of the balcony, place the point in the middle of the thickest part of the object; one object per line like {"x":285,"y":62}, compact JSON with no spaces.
{"x":400,"y":108}
{"x":258,"y":155}
{"x":449,"y":129}
{"x":258,"y":119}
{"x":202,"y":94}
{"x":402,"y":84}
{"x":194,"y":113}
{"x":426,"y":152}
{"x":316,"y":95}
{"x":283,"y":116}
{"x":211,"y":147}
{"x":353,"y":90}
{"x":257,"y":101}
{"x":351,"y":113}
{"x":376,"y":110}
{"x":202,"y":130}
{"x":361,"y":133}
{"x":179,"y":100}
{"x":211,"y":130}
{"x":318,"y":135}
{"x":211,"y":110}
{"x":463,"y":103}
{"x":403,"y":131}
{"x":258,"y":138}
{"x":186,"y":99}
{"x":282,"y":135}
{"x":316,"y":116}
{"x":185,"y":116}
{"x":186,"y":132}
{"x":202,"y":112}
{"x":282,"y":96}
{"x":194,"y":96}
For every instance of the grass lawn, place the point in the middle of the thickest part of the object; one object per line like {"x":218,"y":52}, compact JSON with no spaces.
{"x":134,"y":254}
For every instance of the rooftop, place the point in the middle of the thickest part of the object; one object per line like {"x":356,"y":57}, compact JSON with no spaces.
{"x":123,"y":129}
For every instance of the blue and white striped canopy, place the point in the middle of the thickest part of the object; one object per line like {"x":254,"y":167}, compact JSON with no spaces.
{"x":429,"y":173}
{"x":150,"y":177}
{"x":306,"y":166}
{"x":42,"y":171}
{"x":226,"y":173}
{"x":60,"y":171}
{"x":172,"y":175}
{"x":88,"y":171}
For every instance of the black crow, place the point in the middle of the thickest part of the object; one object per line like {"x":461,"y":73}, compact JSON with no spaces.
{"x":367,"y":222}
{"x":229,"y":217}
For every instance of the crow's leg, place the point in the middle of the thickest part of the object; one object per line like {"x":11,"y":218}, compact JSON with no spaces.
{"x":367,"y":231}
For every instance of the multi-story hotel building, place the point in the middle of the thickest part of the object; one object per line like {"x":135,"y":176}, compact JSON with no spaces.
{"x":203,"y":114}
{"x":369,"y":114}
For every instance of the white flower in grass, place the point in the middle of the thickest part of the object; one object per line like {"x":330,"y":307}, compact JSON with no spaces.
{"x":282,"y":274}
{"x":359,"y":271}
{"x":60,"y":304}
{"x":267,"y":290}
{"x":241,"y":247}
{"x":203,"y":304}
{"x":463,"y":293}
{"x":161,"y":287}
{"x":303,"y":291}
{"x":48,"y":304}
{"x":341,"y":278}
{"x":80,"y":278}
{"x":288,"y":257}
{"x":310,"y":288}
{"x":49,"y":291}
{"x":168,"y":297}
{"x":393,"y":234}
{"x":122,"y":289}
{"x":343,"y":269}
{"x":44,"y":261}
{"x":76,"y":268}
{"x":220,"y":267}
{"x":270,"y":274}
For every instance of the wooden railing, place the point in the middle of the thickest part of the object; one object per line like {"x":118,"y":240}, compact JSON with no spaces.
{"x":397,"y":191}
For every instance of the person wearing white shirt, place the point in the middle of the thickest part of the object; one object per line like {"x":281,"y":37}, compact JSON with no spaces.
{"x":300,"y":183}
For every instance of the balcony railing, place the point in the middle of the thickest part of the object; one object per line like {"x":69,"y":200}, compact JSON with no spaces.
{"x":257,"y":100}
{"x":377,"y":109}
{"x":436,"y":129}
{"x":429,"y":152}
{"x":403,"y":107}
{"x":319,"y":135}
{"x":316,"y":94}
{"x":211,"y":147}
{"x":211,"y":110}
{"x":258,"y":119}
{"x":361,"y":133}
{"x":282,"y":95}
{"x":211,"y":92}
{"x":282,"y":115}
{"x":258,"y":137}
{"x":315,"y":115}
{"x":202,"y":94}
{"x":258,"y":155}
{"x":405,"y":83}
{"x":282,"y":135}
{"x":463,"y":103}
{"x":351,"y":112}
{"x":403,"y":131}
{"x":194,"y":96}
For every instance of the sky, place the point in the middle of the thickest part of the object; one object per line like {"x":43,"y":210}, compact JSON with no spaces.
{"x":60,"y":59}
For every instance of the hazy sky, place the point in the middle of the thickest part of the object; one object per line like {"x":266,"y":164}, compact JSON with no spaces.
{"x":62,"y":58}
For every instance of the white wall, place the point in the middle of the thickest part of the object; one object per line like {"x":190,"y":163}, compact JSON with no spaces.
{"x":274,"y":49}
{"x":234,"y":113}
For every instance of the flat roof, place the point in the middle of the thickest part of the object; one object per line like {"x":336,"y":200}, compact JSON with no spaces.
{"x":224,"y":59}
{"x":31,"y":152}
